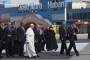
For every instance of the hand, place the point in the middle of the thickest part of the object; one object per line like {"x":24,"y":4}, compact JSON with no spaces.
{"x":62,"y":39}
{"x":27,"y":42}
{"x":74,"y":34}
{"x":35,"y":41}
{"x":42,"y":40}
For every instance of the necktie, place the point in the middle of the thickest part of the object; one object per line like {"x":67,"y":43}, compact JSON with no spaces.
{"x":9,"y":28}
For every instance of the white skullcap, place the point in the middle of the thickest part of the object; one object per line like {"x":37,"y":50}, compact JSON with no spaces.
{"x":31,"y":24}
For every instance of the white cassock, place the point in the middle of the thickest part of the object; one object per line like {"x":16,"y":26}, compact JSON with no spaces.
{"x":30,"y":48}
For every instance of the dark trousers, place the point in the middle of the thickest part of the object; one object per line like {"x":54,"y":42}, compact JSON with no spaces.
{"x":37,"y":47}
{"x":3,"y":46}
{"x":43,"y":44}
{"x":40,"y":45}
{"x":9,"y":49}
{"x":72,"y":45}
{"x":63,"y":47}
{"x":21,"y":48}
{"x":16,"y":47}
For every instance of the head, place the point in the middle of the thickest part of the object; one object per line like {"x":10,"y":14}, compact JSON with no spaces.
{"x":2,"y":24}
{"x":63,"y":24}
{"x":32,"y":26}
{"x":73,"y":24}
{"x":21,"y":24}
{"x":9,"y":24}
{"x":13,"y":24}
{"x":51,"y":28}
{"x":38,"y":26}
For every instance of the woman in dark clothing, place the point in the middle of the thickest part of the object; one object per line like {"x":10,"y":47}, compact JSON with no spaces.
{"x":46,"y":32}
{"x":51,"y":41}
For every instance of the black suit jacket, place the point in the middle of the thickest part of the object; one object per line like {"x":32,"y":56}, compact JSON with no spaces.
{"x":8,"y":32}
{"x":62,"y":32}
{"x":21,"y":34}
{"x":14,"y":34}
{"x":71,"y":32}
{"x":37,"y":35}
{"x":2,"y":35}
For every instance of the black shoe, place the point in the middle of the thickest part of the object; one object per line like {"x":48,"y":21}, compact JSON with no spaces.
{"x":34,"y":57}
{"x":12,"y":56}
{"x":27,"y":57}
{"x":40,"y":52}
{"x":0,"y":57}
{"x":61,"y":53}
{"x":38,"y":56}
{"x":43,"y":50}
{"x":68,"y":55}
{"x":48,"y":50}
{"x":7,"y":56}
{"x":77,"y":55}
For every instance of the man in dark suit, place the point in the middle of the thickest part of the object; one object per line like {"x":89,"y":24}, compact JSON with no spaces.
{"x":9,"y":41}
{"x":72,"y":34}
{"x":21,"y":37}
{"x":63,"y":34}
{"x":37,"y":38}
{"x":15,"y":38}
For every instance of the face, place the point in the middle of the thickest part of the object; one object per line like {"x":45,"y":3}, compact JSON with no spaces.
{"x":15,"y":23}
{"x":2,"y":24}
{"x":32,"y":26}
{"x":38,"y":26}
{"x":9,"y":23}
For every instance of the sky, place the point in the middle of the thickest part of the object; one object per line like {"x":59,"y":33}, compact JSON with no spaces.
{"x":77,"y":0}
{"x":26,"y":1}
{"x":19,"y":1}
{"x":10,"y":3}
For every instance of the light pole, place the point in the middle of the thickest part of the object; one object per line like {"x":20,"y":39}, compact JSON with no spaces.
{"x":65,"y":13}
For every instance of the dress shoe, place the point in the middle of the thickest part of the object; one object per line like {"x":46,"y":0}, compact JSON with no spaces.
{"x":40,"y":52}
{"x":7,"y":56}
{"x":38,"y":56}
{"x":34,"y":57}
{"x":77,"y":55}
{"x":0,"y":57}
{"x":61,"y":53}
{"x":48,"y":50}
{"x":43,"y":50}
{"x":27,"y":57}
{"x":12,"y":56}
{"x":68,"y":55}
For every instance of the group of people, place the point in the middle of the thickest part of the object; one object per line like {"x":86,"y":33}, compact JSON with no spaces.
{"x":68,"y":33}
{"x":13,"y":39}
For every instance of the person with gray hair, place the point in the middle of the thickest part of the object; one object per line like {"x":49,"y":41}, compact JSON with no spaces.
{"x":30,"y":48}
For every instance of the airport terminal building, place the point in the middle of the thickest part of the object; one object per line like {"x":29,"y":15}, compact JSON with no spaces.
{"x":49,"y":12}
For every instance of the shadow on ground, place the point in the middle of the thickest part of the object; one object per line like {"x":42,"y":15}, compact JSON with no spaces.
{"x":43,"y":55}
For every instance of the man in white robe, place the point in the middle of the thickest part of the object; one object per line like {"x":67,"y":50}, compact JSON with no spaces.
{"x":30,"y":48}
